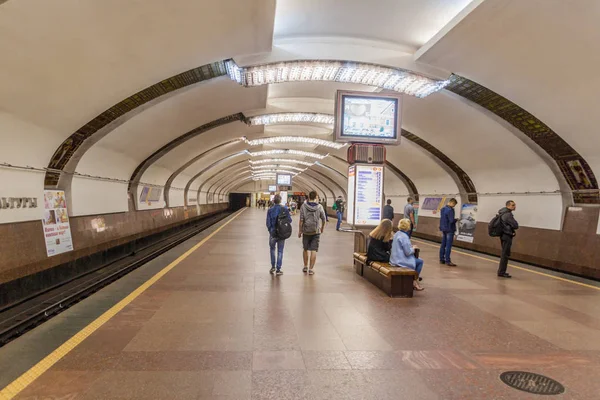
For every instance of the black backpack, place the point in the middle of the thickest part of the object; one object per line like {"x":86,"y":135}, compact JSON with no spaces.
{"x":495,"y":227}
{"x":283,"y":227}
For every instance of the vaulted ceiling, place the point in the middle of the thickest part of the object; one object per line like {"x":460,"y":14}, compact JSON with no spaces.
{"x":137,"y":92}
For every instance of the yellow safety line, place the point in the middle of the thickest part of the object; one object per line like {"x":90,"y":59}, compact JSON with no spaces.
{"x":517,"y":267}
{"x":37,"y":370}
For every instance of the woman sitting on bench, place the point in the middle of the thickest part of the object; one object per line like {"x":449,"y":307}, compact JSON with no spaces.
{"x":403,"y":252}
{"x":380,"y":243}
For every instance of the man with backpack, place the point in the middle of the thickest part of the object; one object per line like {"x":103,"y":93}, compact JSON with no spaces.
{"x":338,"y":207}
{"x":504,"y":226}
{"x":279,"y":224}
{"x":312,"y":224}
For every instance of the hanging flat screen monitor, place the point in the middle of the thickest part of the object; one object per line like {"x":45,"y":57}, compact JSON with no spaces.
{"x":284,"y":179}
{"x":365,"y":117}
{"x":272,"y":188}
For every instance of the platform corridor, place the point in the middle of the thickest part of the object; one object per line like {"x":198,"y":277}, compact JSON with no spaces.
{"x":219,"y":326}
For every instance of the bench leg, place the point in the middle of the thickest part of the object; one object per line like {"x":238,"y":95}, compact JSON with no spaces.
{"x":401,"y":286}
{"x":358,"y":267}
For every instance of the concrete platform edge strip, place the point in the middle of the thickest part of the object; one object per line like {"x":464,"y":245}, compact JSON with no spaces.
{"x":37,"y":370}
{"x":513,"y":266}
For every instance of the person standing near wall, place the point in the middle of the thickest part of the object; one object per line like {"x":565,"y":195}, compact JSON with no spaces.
{"x":339,"y":209}
{"x":388,"y":211}
{"x":448,"y":228}
{"x":509,"y":227}
{"x":409,"y":213}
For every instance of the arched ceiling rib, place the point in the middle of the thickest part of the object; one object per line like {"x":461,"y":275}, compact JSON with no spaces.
{"x":572,"y":165}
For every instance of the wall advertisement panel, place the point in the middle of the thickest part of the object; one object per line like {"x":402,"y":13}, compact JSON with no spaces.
{"x":431,"y":206}
{"x":466,"y":223}
{"x":369,"y":195}
{"x":57,"y":230}
{"x":350,"y":200}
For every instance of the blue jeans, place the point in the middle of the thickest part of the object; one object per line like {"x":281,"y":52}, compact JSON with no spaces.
{"x":340,"y":215}
{"x":446,"y":247}
{"x":280,"y":243}
{"x":418,"y":265}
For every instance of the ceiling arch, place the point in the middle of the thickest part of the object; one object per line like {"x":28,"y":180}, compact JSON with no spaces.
{"x":573,"y":166}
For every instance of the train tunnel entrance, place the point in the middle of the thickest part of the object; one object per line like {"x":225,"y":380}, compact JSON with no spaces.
{"x":239,"y":200}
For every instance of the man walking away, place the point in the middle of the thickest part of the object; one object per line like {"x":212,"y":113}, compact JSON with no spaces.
{"x":312,"y":224}
{"x":388,"y":211}
{"x":448,"y":228}
{"x":324,"y":205}
{"x":279,"y":224}
{"x":509,"y":226}
{"x":409,"y":213}
{"x":339,"y":209}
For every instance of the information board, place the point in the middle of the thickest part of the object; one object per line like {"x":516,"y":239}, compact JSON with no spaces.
{"x":350,"y":203}
{"x":369,"y":195}
{"x":57,"y":230}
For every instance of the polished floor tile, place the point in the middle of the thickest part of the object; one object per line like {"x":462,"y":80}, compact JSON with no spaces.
{"x":219,"y":326}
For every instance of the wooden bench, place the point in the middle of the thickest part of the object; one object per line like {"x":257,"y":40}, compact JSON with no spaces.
{"x":394,"y":281}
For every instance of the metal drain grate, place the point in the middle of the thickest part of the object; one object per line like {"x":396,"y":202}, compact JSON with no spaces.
{"x":532,"y":383}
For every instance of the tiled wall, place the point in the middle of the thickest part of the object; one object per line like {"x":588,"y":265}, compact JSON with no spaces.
{"x":23,"y":251}
{"x":575,"y":249}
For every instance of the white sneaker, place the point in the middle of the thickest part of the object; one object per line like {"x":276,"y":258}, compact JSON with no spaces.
{"x":305,"y":269}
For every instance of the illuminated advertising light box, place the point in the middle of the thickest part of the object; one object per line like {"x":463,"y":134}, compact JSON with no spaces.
{"x":284,"y":179}
{"x":365,"y":117}
{"x":368,"y":195}
{"x":272,"y":188}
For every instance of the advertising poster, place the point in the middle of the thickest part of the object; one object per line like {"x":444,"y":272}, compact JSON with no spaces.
{"x":431,"y":206}
{"x":350,"y":203}
{"x":369,"y":195}
{"x":466,"y":223}
{"x":57,"y":231}
{"x":150,"y":195}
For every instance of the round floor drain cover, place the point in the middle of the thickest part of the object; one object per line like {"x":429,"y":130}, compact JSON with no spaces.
{"x":532,"y":383}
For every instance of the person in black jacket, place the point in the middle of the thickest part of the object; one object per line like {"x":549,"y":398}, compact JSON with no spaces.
{"x":380,"y":244}
{"x":388,"y":210}
{"x":509,"y":226}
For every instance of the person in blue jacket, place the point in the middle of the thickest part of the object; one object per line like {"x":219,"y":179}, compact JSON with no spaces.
{"x":447,"y":227}
{"x":403,"y":252}
{"x":274,"y":241}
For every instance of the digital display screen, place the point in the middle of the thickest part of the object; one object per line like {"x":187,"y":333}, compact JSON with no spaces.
{"x":366,"y":117}
{"x":272,"y":188}
{"x":285,"y":180}
{"x":369,"y":195}
{"x":350,"y":203}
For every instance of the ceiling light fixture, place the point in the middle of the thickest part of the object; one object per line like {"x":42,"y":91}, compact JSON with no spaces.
{"x":277,"y":170}
{"x":287,"y":151}
{"x":275,"y":166}
{"x":295,"y":139}
{"x":395,"y":79}
{"x":291,"y":118}
{"x":281,"y":160}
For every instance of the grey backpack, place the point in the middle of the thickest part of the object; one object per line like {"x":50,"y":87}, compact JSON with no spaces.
{"x":311,"y":220}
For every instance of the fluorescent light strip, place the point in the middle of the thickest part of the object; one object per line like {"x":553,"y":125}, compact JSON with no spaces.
{"x":271,"y":171}
{"x":281,"y":160}
{"x":290,"y":118}
{"x":395,"y":79}
{"x":287,"y":151}
{"x":275,"y":166}
{"x":295,"y":139}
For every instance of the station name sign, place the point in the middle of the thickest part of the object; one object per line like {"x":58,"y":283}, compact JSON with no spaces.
{"x":18,"y":202}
